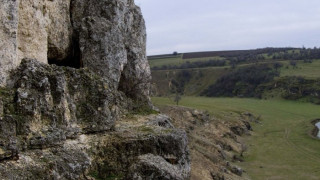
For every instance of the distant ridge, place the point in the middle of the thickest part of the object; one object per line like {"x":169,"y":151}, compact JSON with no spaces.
{"x":163,"y":56}
{"x":191,"y":55}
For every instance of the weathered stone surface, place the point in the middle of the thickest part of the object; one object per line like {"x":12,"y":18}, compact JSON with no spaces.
{"x":134,"y":150}
{"x":8,"y":138}
{"x":32,"y":30}
{"x":59,"y":30}
{"x":152,"y":167}
{"x":62,"y":98}
{"x":65,"y":123}
{"x":8,"y":37}
{"x":124,"y":153}
{"x":44,"y":30}
{"x":112,"y":40}
{"x":1,"y":107}
{"x":50,"y":104}
{"x":54,"y":163}
{"x":106,"y":36}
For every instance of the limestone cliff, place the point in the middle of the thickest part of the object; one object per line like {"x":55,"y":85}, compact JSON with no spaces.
{"x":106,"y":36}
{"x":74,"y":78}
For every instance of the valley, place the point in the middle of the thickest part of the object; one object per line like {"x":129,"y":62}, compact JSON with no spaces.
{"x":281,"y":87}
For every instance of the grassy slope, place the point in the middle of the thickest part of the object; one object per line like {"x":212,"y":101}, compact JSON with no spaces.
{"x":281,"y":147}
{"x":195,"y":86}
{"x":211,"y":74}
{"x":165,"y":61}
{"x":308,"y":70}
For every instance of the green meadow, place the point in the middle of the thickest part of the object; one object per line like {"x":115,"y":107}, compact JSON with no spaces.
{"x":307,"y":70}
{"x":281,"y":145}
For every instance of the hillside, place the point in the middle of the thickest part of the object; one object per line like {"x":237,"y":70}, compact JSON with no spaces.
{"x":199,"y":74}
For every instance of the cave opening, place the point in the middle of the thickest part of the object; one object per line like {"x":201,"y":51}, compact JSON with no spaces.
{"x":72,"y":60}
{"x":125,"y":84}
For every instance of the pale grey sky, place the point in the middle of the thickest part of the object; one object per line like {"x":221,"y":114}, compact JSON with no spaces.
{"x":209,"y":25}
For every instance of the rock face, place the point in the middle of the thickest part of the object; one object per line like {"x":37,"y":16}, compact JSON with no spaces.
{"x":8,"y":37}
{"x":44,"y":30}
{"x":106,"y":36}
{"x":111,"y":39}
{"x":64,"y":123}
{"x":73,"y":77}
{"x":51,"y":104}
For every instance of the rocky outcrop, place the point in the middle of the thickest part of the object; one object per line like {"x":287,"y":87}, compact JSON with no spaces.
{"x":66,"y":123}
{"x":50,"y":104}
{"x":215,"y":144}
{"x":112,"y":40}
{"x":133,"y":150}
{"x":33,"y":29}
{"x":105,"y":36}
{"x":73,"y":77}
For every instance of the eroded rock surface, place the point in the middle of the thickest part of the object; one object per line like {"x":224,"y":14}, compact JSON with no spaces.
{"x":76,"y":118}
{"x":106,"y":36}
{"x":49,"y":104}
{"x":112,"y":39}
{"x":66,"y":123}
{"x":44,"y":30}
{"x":134,"y":150}
{"x":8,"y":36}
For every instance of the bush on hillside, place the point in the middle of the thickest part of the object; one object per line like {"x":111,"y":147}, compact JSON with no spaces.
{"x":242,"y":82}
{"x":296,"y":88}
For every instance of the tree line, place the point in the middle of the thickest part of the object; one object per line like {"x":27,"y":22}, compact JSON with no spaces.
{"x":307,"y":55}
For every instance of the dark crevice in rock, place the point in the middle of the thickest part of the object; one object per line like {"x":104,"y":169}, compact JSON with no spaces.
{"x":74,"y":58}
{"x":125,"y":84}
{"x":70,"y":11}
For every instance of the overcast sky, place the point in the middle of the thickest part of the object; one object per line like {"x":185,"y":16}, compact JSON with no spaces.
{"x":209,"y":25}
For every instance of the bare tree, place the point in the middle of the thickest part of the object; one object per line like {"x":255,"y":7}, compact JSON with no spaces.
{"x":177,"y":98}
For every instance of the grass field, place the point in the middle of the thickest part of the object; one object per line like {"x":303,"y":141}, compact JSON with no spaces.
{"x":281,"y":147}
{"x":165,"y":61}
{"x":307,"y":70}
